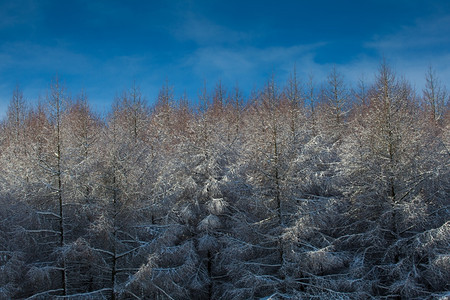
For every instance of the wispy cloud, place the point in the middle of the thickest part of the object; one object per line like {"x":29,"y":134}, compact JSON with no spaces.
{"x":13,"y":13}
{"x":249,"y":64}
{"x":430,"y":34}
{"x":413,"y":48}
{"x":203,"y":31}
{"x":33,"y":66}
{"x":29,"y":57}
{"x":223,"y":53}
{"x":186,"y":44}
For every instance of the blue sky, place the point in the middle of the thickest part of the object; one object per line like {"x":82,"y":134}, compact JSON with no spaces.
{"x":105,"y":46}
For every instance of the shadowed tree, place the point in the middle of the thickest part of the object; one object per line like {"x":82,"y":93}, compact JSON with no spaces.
{"x":387,"y":163}
{"x":45,"y":194}
{"x":230,"y":199}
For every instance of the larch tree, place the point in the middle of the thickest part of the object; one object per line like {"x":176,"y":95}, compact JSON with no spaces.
{"x":84,"y":128}
{"x":296,"y":102}
{"x":14,"y":171}
{"x":15,"y":148}
{"x":45,"y":189}
{"x":83,"y":188}
{"x":361,"y":93}
{"x":235,"y":107}
{"x":275,"y":196}
{"x":435,"y":95}
{"x":386,"y":163}
{"x":116,"y":233}
{"x":54,"y":164}
{"x":259,"y":208}
{"x":335,"y":97}
{"x":16,"y":114}
{"x":190,"y":189}
{"x":311,"y":101}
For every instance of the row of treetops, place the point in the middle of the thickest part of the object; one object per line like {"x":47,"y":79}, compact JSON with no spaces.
{"x":333,"y":98}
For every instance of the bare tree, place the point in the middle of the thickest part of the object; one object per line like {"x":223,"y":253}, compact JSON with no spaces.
{"x":336,"y":97}
{"x":17,"y":113}
{"x":311,"y":97}
{"x":293,"y":94}
{"x":229,"y":199}
{"x":435,"y":95}
{"x":57,"y":103}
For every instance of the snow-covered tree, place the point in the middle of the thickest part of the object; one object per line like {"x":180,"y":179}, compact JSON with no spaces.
{"x":278,"y":196}
{"x":435,"y":95}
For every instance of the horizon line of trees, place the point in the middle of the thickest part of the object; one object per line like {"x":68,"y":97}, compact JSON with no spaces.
{"x":434,"y":97}
{"x":298,"y":191}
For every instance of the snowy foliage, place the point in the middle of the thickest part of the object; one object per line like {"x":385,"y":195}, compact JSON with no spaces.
{"x":291,"y":194}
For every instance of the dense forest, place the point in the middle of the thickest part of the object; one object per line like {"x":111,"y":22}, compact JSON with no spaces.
{"x":302,"y":190}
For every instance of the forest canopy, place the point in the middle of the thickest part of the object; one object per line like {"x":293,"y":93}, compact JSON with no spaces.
{"x":301,"y":190}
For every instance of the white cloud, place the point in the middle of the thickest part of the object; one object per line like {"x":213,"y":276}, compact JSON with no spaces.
{"x":29,"y":57}
{"x":19,"y":12}
{"x":413,"y":49}
{"x":203,"y":31}
{"x":33,"y":66}
{"x":429,"y":34}
{"x":249,"y":64}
